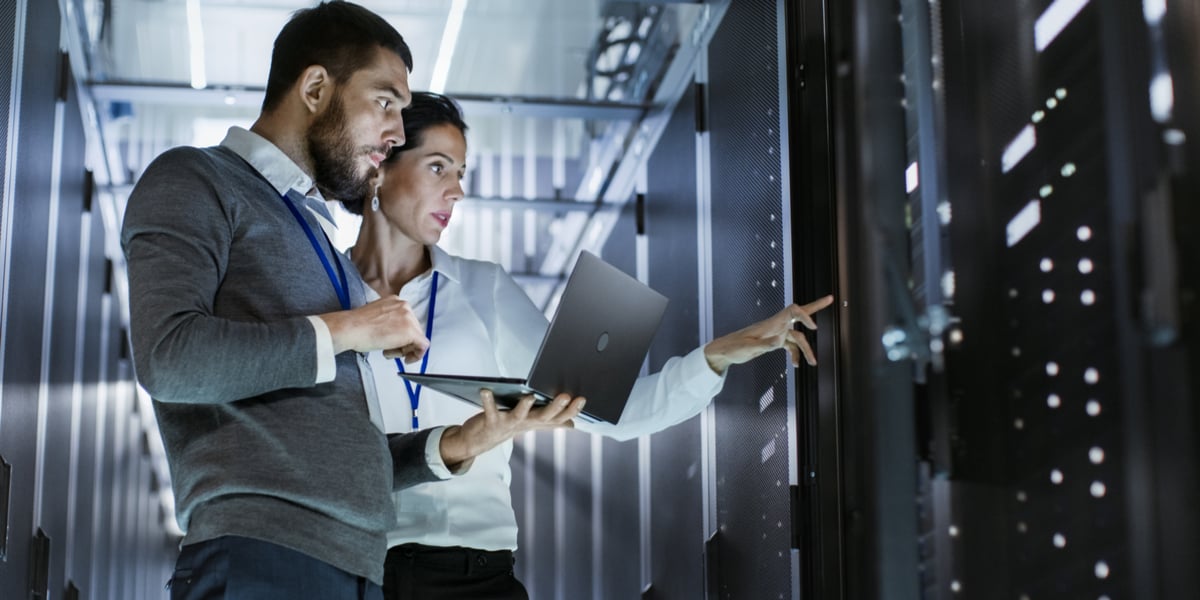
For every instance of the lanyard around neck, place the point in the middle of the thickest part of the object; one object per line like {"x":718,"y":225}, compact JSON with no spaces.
{"x":414,"y":396}
{"x":339,"y":281}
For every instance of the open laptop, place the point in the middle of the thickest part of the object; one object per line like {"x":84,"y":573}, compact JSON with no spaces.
{"x":594,"y":347}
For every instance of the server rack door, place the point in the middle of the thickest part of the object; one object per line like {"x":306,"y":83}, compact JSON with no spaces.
{"x":677,"y":494}
{"x":817,"y":501}
{"x":620,"y":507}
{"x":83,"y":526}
{"x":751,"y":556}
{"x":26,"y":213}
{"x":62,"y":329}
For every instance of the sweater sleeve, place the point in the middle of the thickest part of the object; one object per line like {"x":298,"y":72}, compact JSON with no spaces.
{"x":414,"y":460}
{"x":177,"y":236}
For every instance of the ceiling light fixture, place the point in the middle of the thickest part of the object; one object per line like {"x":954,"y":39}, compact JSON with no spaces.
{"x":441,"y":69}
{"x":196,"y":45}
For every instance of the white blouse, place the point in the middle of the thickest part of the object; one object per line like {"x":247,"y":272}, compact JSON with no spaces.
{"x":484,"y":324}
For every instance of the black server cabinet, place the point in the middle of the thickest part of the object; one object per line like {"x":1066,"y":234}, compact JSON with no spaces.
{"x":1061,"y":400}
{"x":1031,"y":177}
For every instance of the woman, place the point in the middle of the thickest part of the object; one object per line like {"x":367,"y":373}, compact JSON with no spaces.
{"x":482,"y":323}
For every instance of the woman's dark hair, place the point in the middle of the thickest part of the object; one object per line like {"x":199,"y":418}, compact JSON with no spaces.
{"x":337,"y":35}
{"x":426,"y":110}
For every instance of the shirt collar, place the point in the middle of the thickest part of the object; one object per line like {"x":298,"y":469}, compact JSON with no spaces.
{"x":275,"y":166}
{"x":444,"y":263}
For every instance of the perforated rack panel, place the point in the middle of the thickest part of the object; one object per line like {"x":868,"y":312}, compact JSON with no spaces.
{"x":752,"y":437}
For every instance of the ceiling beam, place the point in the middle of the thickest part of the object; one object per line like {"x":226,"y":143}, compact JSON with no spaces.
{"x":538,"y":204}
{"x":543,"y":205}
{"x":475,"y":104}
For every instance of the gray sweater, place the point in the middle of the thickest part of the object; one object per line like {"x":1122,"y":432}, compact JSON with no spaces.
{"x":221,"y":280}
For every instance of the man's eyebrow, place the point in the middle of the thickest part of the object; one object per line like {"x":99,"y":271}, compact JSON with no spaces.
{"x":384,"y":86}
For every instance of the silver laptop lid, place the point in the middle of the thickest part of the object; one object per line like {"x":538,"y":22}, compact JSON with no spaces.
{"x":599,"y":337}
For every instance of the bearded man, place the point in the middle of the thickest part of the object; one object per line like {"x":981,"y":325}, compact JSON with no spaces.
{"x":248,"y":330}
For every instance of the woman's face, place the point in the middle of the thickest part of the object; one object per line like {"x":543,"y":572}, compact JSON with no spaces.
{"x":422,"y":185}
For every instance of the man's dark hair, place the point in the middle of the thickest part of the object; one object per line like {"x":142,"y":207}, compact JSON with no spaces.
{"x":426,"y":110}
{"x":340,"y":36}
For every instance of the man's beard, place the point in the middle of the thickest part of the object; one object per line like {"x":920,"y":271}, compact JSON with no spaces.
{"x":333,"y":154}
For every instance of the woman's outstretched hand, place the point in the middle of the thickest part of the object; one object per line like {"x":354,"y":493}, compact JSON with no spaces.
{"x":769,"y":334}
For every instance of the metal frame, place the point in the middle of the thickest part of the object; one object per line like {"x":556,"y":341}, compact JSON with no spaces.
{"x":81,"y":325}
{"x":976,"y":448}
{"x":1130,"y":160}
{"x":541,"y":205}
{"x":809,"y":143}
{"x":791,"y":396}
{"x":877,"y":404}
{"x":475,"y":104}
{"x":1159,"y":406}
{"x":10,"y":179}
{"x":705,"y":282}
{"x":626,"y":148}
{"x":103,"y":388}
{"x":55,"y":201}
{"x":1177,"y":425}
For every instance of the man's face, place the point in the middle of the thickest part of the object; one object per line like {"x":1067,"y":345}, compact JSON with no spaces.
{"x":357,"y":128}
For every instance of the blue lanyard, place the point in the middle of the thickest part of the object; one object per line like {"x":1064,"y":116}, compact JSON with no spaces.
{"x":414,"y":396}
{"x":339,"y":282}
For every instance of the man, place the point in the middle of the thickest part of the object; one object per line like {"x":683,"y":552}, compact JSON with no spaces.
{"x":248,"y":329}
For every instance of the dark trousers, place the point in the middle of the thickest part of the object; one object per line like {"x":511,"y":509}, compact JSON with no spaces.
{"x":237,"y":568}
{"x":416,"y":572}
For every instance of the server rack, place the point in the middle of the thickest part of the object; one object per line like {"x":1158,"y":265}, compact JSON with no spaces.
{"x":1026,"y":163}
{"x":78,"y":505}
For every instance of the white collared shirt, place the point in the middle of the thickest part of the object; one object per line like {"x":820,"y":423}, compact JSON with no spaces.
{"x":484,"y":324}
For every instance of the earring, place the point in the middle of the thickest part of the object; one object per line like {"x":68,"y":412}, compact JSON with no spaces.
{"x":375,"y":201}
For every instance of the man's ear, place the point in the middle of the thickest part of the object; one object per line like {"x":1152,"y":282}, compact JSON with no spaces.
{"x":315,"y":88}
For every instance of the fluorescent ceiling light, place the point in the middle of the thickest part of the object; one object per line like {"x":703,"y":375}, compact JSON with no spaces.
{"x":196,"y":45}
{"x":441,"y":69}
